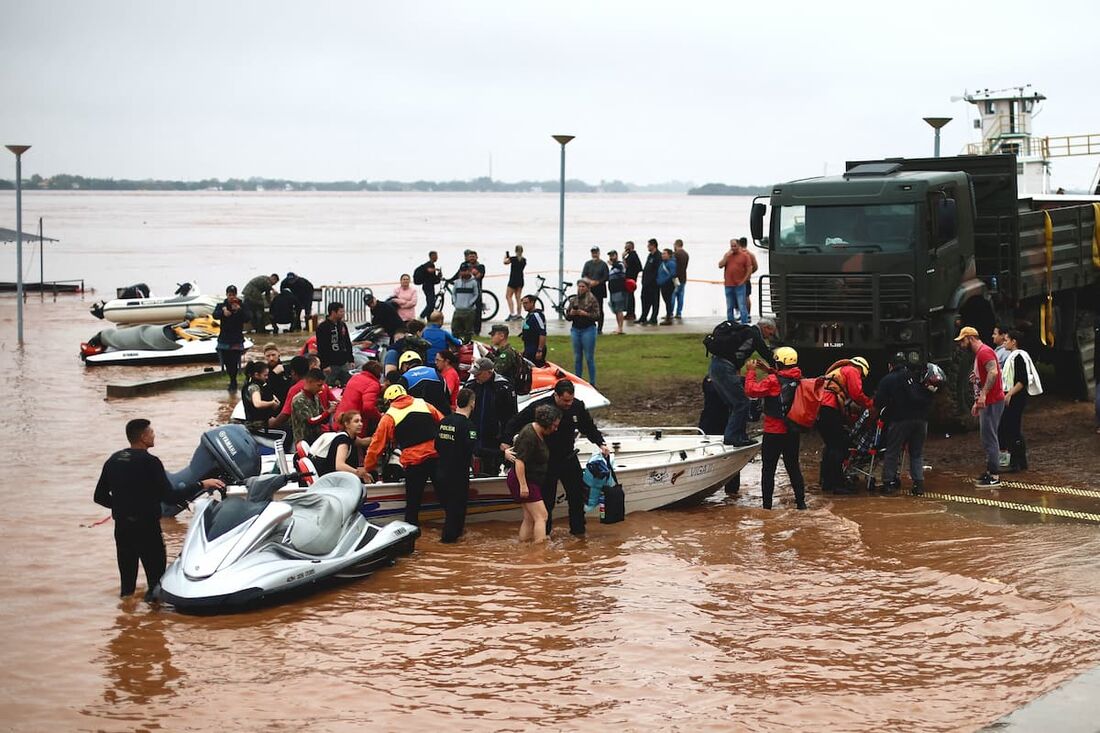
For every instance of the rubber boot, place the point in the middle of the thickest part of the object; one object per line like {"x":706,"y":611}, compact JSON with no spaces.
{"x":1019,"y":455}
{"x":918,"y":488}
{"x":889,"y":488}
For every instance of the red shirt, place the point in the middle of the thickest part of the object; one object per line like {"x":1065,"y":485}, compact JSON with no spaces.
{"x":769,"y":387}
{"x":853,"y":383}
{"x":738,"y":268}
{"x":325,"y":396}
{"x":997,"y":391}
{"x":454,"y":383}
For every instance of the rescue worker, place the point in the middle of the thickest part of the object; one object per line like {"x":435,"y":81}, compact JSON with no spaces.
{"x":132,"y":485}
{"x":903,"y":403}
{"x":495,"y":406}
{"x":455,"y":446}
{"x":843,"y":390}
{"x":411,"y":425}
{"x":777,"y":389}
{"x":423,"y":382}
{"x":564,"y":465}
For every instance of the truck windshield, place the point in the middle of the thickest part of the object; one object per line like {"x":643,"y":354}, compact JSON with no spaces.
{"x":874,"y":228}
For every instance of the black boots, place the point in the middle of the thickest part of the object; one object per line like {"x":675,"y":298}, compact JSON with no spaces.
{"x":918,"y":488}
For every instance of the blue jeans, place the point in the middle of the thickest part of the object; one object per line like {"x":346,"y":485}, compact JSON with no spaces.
{"x":584,"y":346}
{"x":737,"y":298}
{"x":730,"y":385}
{"x":678,"y":299}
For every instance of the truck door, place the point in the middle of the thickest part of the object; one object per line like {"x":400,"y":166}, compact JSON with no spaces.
{"x":944,"y":262}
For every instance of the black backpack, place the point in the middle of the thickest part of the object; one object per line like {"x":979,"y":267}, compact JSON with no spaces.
{"x":420,"y":274}
{"x":730,"y":340}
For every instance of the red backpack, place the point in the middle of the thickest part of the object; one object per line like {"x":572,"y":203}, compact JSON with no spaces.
{"x":802,"y":415}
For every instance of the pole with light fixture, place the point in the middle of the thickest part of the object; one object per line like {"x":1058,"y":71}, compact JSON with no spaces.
{"x":937,"y":123}
{"x":19,"y":150}
{"x":562,"y":140}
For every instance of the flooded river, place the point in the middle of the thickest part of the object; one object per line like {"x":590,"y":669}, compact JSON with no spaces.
{"x":867,"y":614}
{"x":862,"y":615}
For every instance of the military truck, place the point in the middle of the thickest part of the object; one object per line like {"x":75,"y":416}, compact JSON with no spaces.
{"x":899,"y":254}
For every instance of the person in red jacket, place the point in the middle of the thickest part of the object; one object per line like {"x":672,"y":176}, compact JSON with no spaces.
{"x":361,"y":394}
{"x":843,"y":393}
{"x":412,"y":425}
{"x":777,"y":389}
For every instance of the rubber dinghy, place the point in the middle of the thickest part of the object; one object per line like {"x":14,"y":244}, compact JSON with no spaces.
{"x":154,"y":344}
{"x":187,"y":303}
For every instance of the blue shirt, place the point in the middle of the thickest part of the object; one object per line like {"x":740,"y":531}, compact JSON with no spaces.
{"x":439,"y":338}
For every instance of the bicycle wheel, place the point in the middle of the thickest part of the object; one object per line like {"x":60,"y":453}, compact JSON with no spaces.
{"x":440,"y":299}
{"x":539,"y":305}
{"x":489,"y":305}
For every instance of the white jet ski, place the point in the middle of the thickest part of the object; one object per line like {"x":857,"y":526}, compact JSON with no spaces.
{"x":241,"y":552}
{"x":187,"y":303}
{"x":191,"y":341}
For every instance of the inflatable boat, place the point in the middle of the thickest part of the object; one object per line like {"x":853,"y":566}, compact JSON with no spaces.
{"x":186,"y":304}
{"x":192,"y":341}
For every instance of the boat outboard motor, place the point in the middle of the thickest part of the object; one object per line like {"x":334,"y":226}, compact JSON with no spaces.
{"x":228,"y":451}
{"x":184,"y":289}
{"x":137,"y":290}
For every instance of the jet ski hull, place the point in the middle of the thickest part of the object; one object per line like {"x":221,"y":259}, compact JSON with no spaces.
{"x":189,"y":352}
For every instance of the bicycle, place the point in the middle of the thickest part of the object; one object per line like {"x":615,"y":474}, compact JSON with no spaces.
{"x":564,"y":303}
{"x":490,"y":304}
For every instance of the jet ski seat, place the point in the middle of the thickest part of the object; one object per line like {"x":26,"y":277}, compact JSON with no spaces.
{"x":320,"y":513}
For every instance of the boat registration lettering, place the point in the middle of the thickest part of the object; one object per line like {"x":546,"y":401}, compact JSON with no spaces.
{"x":701,"y":470}
{"x":300,"y":576}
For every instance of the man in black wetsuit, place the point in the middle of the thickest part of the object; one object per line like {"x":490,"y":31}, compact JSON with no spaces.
{"x":564,"y":465}
{"x":132,"y":485}
{"x":303,"y":293}
{"x":384,"y":315}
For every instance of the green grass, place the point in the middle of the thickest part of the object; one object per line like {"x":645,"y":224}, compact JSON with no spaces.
{"x":650,"y":379}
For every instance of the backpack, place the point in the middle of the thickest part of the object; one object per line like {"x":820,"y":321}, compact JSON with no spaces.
{"x":805,"y":404}
{"x":780,"y":406}
{"x":731,"y":341}
{"x":420,"y":274}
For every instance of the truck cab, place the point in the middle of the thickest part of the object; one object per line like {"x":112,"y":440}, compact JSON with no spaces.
{"x":869,"y":262}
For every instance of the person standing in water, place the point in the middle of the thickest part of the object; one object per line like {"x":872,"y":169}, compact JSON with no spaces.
{"x":132,"y":484}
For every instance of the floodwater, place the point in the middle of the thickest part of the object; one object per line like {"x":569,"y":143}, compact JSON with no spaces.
{"x":862,"y":615}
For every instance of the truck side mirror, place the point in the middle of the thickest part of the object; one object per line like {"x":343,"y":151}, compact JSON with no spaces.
{"x":947,"y":225}
{"x":756,"y":221}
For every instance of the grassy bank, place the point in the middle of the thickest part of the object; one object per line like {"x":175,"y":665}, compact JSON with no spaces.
{"x":650,"y":379}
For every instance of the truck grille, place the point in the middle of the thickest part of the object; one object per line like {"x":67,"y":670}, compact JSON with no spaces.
{"x":842,"y":296}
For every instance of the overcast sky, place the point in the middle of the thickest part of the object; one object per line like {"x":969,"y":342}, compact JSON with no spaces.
{"x":700,"y":91}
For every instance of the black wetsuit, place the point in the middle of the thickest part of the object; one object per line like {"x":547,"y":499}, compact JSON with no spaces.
{"x":455,"y":446}
{"x":132,"y":485}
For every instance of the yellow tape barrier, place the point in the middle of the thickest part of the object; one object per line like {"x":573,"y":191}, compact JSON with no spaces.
{"x":1096,"y":236}
{"x":1014,"y":506}
{"x":1046,"y":311}
{"x":1069,"y":491}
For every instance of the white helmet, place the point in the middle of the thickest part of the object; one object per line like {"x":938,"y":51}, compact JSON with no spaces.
{"x":934,"y":378}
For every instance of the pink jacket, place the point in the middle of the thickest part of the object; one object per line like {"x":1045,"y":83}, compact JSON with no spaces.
{"x":405,"y":300}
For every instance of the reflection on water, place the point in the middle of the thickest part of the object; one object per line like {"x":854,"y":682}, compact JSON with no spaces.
{"x":867,"y":614}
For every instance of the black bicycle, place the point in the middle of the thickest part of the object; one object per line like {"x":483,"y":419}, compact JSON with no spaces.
{"x":490,"y":304}
{"x":563,"y":303}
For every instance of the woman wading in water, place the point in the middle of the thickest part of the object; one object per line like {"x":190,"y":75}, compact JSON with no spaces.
{"x":526,"y":478}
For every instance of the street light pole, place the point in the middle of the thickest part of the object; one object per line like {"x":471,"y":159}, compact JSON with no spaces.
{"x":19,"y":150}
{"x":937,"y":123}
{"x":562,"y":140}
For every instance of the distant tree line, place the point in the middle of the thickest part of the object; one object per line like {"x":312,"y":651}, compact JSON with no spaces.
{"x":68,"y":182}
{"x":721,"y":189}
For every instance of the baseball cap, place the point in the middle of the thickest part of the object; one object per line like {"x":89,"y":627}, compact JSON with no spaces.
{"x":595,"y":249}
{"x":966,"y":331}
{"x":482,"y":364}
{"x":499,"y":327}
{"x":464,"y":266}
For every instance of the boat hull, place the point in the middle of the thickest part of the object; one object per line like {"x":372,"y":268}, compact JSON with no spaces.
{"x":132,"y":311}
{"x":653,"y":475}
{"x":189,"y":352}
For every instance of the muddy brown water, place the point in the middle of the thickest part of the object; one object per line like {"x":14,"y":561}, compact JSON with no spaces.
{"x":865,"y":614}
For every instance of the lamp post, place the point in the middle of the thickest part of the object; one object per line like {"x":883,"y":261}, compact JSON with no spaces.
{"x":562,"y":140}
{"x":937,"y":123}
{"x":19,"y":150}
